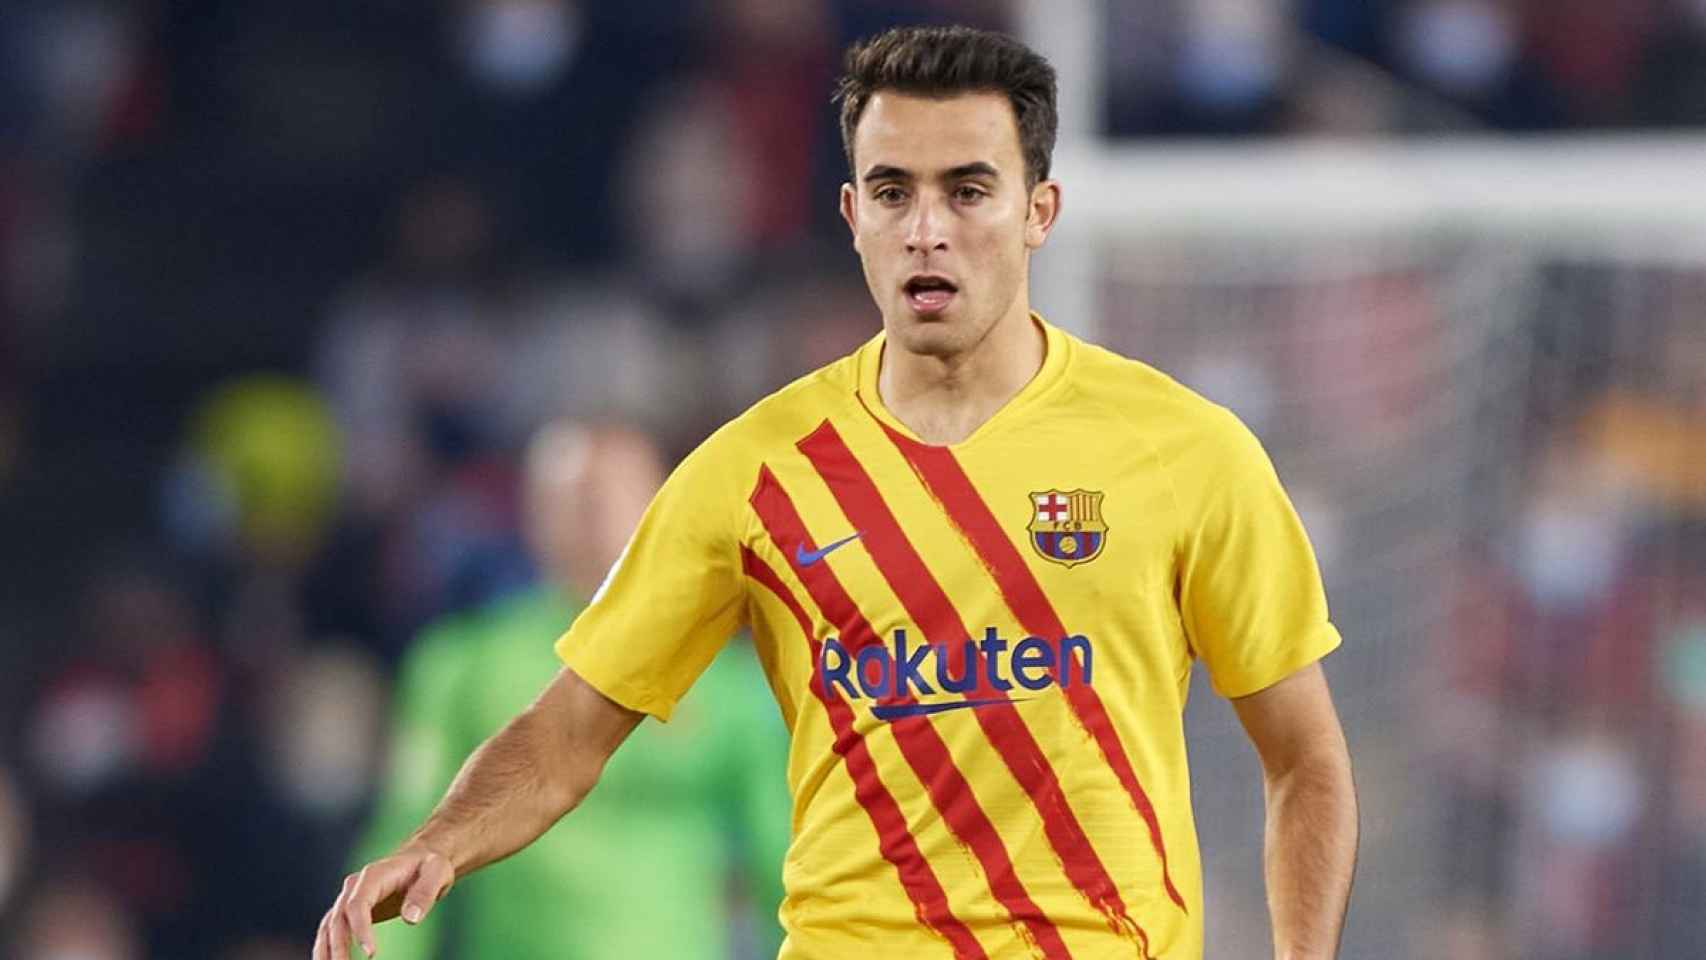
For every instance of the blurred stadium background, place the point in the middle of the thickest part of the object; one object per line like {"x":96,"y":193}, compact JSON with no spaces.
{"x":287,"y":289}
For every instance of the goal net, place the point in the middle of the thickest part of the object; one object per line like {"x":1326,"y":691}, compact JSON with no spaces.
{"x":1480,"y":368}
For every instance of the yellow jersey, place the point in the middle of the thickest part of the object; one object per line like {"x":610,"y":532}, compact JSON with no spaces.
{"x":981,"y":650}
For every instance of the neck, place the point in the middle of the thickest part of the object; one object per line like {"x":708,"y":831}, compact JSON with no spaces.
{"x":945,"y":398}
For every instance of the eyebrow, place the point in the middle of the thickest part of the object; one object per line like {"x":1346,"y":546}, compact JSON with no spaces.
{"x":883,"y":171}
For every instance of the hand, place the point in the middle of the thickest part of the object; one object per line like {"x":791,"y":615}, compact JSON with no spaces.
{"x":407,"y":882}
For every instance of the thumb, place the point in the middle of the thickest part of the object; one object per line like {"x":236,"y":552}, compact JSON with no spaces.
{"x":431,"y":881}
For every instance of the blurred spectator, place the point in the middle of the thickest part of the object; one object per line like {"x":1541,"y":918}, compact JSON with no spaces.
{"x":409,"y":356}
{"x":122,"y":741}
{"x":1571,"y":538}
{"x":94,"y":74}
{"x":517,"y":48}
{"x":259,"y":474}
{"x":697,"y":807}
{"x":77,"y":920}
{"x":1639,"y":428}
{"x":1591,"y":51}
{"x":1581,"y":803}
{"x":1234,"y":67}
{"x":322,"y":730}
{"x":139,"y":695}
{"x":254,"y":499}
{"x":412,"y":361}
{"x":595,"y":347}
{"x":1233,"y":61}
{"x":771,"y":62}
{"x":682,"y":158}
{"x":1464,"y":48}
{"x":550,"y":89}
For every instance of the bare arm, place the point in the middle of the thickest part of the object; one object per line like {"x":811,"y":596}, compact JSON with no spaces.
{"x":1311,"y":837}
{"x":512,"y":789}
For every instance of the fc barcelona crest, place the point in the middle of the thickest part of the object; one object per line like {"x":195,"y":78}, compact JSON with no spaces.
{"x":1066,"y":525}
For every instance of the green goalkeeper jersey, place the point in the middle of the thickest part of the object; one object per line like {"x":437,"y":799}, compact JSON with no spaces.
{"x":677,"y":852}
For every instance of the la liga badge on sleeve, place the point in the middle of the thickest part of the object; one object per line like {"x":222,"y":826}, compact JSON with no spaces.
{"x":1067,"y":526}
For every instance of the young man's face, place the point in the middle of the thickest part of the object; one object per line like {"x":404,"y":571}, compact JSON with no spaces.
{"x":941,"y":216}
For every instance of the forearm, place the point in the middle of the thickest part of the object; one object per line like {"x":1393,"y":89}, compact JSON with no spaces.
{"x":1310,"y":856}
{"x":512,"y":789}
{"x":520,"y":782}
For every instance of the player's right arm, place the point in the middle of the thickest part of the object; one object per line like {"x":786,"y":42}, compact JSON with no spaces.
{"x":512,"y":789}
{"x":664,"y":611}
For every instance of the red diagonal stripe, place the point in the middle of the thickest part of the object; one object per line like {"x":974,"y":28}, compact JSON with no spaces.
{"x":947,"y":482}
{"x":929,"y":900}
{"x":919,"y":743}
{"x":930,"y":608}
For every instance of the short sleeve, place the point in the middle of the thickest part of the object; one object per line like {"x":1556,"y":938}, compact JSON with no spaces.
{"x":1250,"y":592}
{"x":671,"y":600}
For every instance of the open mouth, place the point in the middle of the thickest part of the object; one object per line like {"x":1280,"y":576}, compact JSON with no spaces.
{"x":929,"y":293}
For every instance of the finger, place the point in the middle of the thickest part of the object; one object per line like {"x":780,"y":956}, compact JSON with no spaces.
{"x":337,"y":936}
{"x":431,"y":881}
{"x":337,"y":929}
{"x":358,"y":907}
{"x":323,"y":939}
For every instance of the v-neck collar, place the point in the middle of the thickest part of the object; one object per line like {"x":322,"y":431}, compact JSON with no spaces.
{"x":1056,"y":350}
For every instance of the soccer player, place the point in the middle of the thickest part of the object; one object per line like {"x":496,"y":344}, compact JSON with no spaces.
{"x":979,"y":558}
{"x":722,"y":762}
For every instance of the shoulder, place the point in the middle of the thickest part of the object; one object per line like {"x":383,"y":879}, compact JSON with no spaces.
{"x":1204,"y":454}
{"x":1148,"y":400}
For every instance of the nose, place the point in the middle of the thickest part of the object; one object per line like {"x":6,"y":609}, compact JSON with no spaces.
{"x":927,"y":230}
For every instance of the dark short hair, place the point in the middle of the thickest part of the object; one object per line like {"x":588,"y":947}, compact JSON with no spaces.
{"x":947,"y":61}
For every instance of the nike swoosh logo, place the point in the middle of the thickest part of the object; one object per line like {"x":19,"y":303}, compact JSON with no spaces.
{"x":896,"y":711}
{"x":806,"y":558}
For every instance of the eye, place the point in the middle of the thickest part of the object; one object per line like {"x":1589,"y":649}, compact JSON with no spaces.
{"x":967,"y":193}
{"x":890,"y":194}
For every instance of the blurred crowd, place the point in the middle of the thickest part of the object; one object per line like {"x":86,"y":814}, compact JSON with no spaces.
{"x":1505,"y":491}
{"x":301,"y":305}
{"x":1219,"y":67}
{"x":1566,"y":695}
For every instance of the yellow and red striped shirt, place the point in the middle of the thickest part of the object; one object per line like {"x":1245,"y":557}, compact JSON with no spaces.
{"x":981,"y":650}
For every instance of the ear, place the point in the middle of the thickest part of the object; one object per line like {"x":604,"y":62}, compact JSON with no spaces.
{"x":1045,"y":209}
{"x":849,"y":212}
